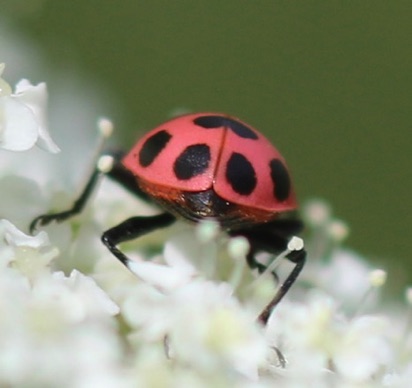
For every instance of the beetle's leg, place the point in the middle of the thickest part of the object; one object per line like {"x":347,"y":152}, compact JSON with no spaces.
{"x":108,"y":164}
{"x":271,"y":237}
{"x":297,"y":257}
{"x":253,"y":263}
{"x":268,"y":240}
{"x":133,"y":228}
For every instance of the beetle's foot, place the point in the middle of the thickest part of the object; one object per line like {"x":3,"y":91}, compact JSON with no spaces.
{"x":46,"y":219}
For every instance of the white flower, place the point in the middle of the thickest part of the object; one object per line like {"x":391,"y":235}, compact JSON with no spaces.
{"x":52,"y":327}
{"x":30,"y":254}
{"x":211,"y":331}
{"x":303,"y":334}
{"x":205,"y":325}
{"x":23,"y":116}
{"x":344,"y":275}
{"x":314,"y":336}
{"x":363,"y":348}
{"x":88,"y":298}
{"x":176,"y":272}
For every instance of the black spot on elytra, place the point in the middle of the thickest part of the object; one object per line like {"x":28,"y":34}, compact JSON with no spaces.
{"x":241,"y":174}
{"x":210,"y":122}
{"x":193,"y":161}
{"x":152,"y":147}
{"x":280,"y":178}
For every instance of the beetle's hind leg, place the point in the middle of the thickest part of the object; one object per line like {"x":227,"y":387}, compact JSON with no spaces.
{"x":274,"y":239}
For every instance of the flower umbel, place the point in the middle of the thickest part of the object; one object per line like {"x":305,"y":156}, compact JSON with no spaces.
{"x":186,"y":314}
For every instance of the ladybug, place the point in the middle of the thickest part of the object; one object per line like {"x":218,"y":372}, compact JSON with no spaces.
{"x":206,"y":166}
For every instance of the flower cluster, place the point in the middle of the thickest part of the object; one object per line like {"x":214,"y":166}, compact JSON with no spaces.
{"x":73,"y":316}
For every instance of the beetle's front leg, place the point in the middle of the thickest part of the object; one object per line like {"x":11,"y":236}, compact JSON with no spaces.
{"x":109,"y":164}
{"x":133,"y":228}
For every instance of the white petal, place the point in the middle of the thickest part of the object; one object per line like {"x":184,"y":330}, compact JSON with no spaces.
{"x":35,"y":98}
{"x":5,"y":89}
{"x":18,"y":126}
{"x":92,"y":293}
{"x":186,"y":253}
{"x":15,"y":237}
{"x":176,"y":255}
{"x":364,"y":348}
{"x":158,"y":275}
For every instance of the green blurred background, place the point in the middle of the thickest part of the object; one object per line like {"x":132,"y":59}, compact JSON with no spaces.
{"x":328,"y":81}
